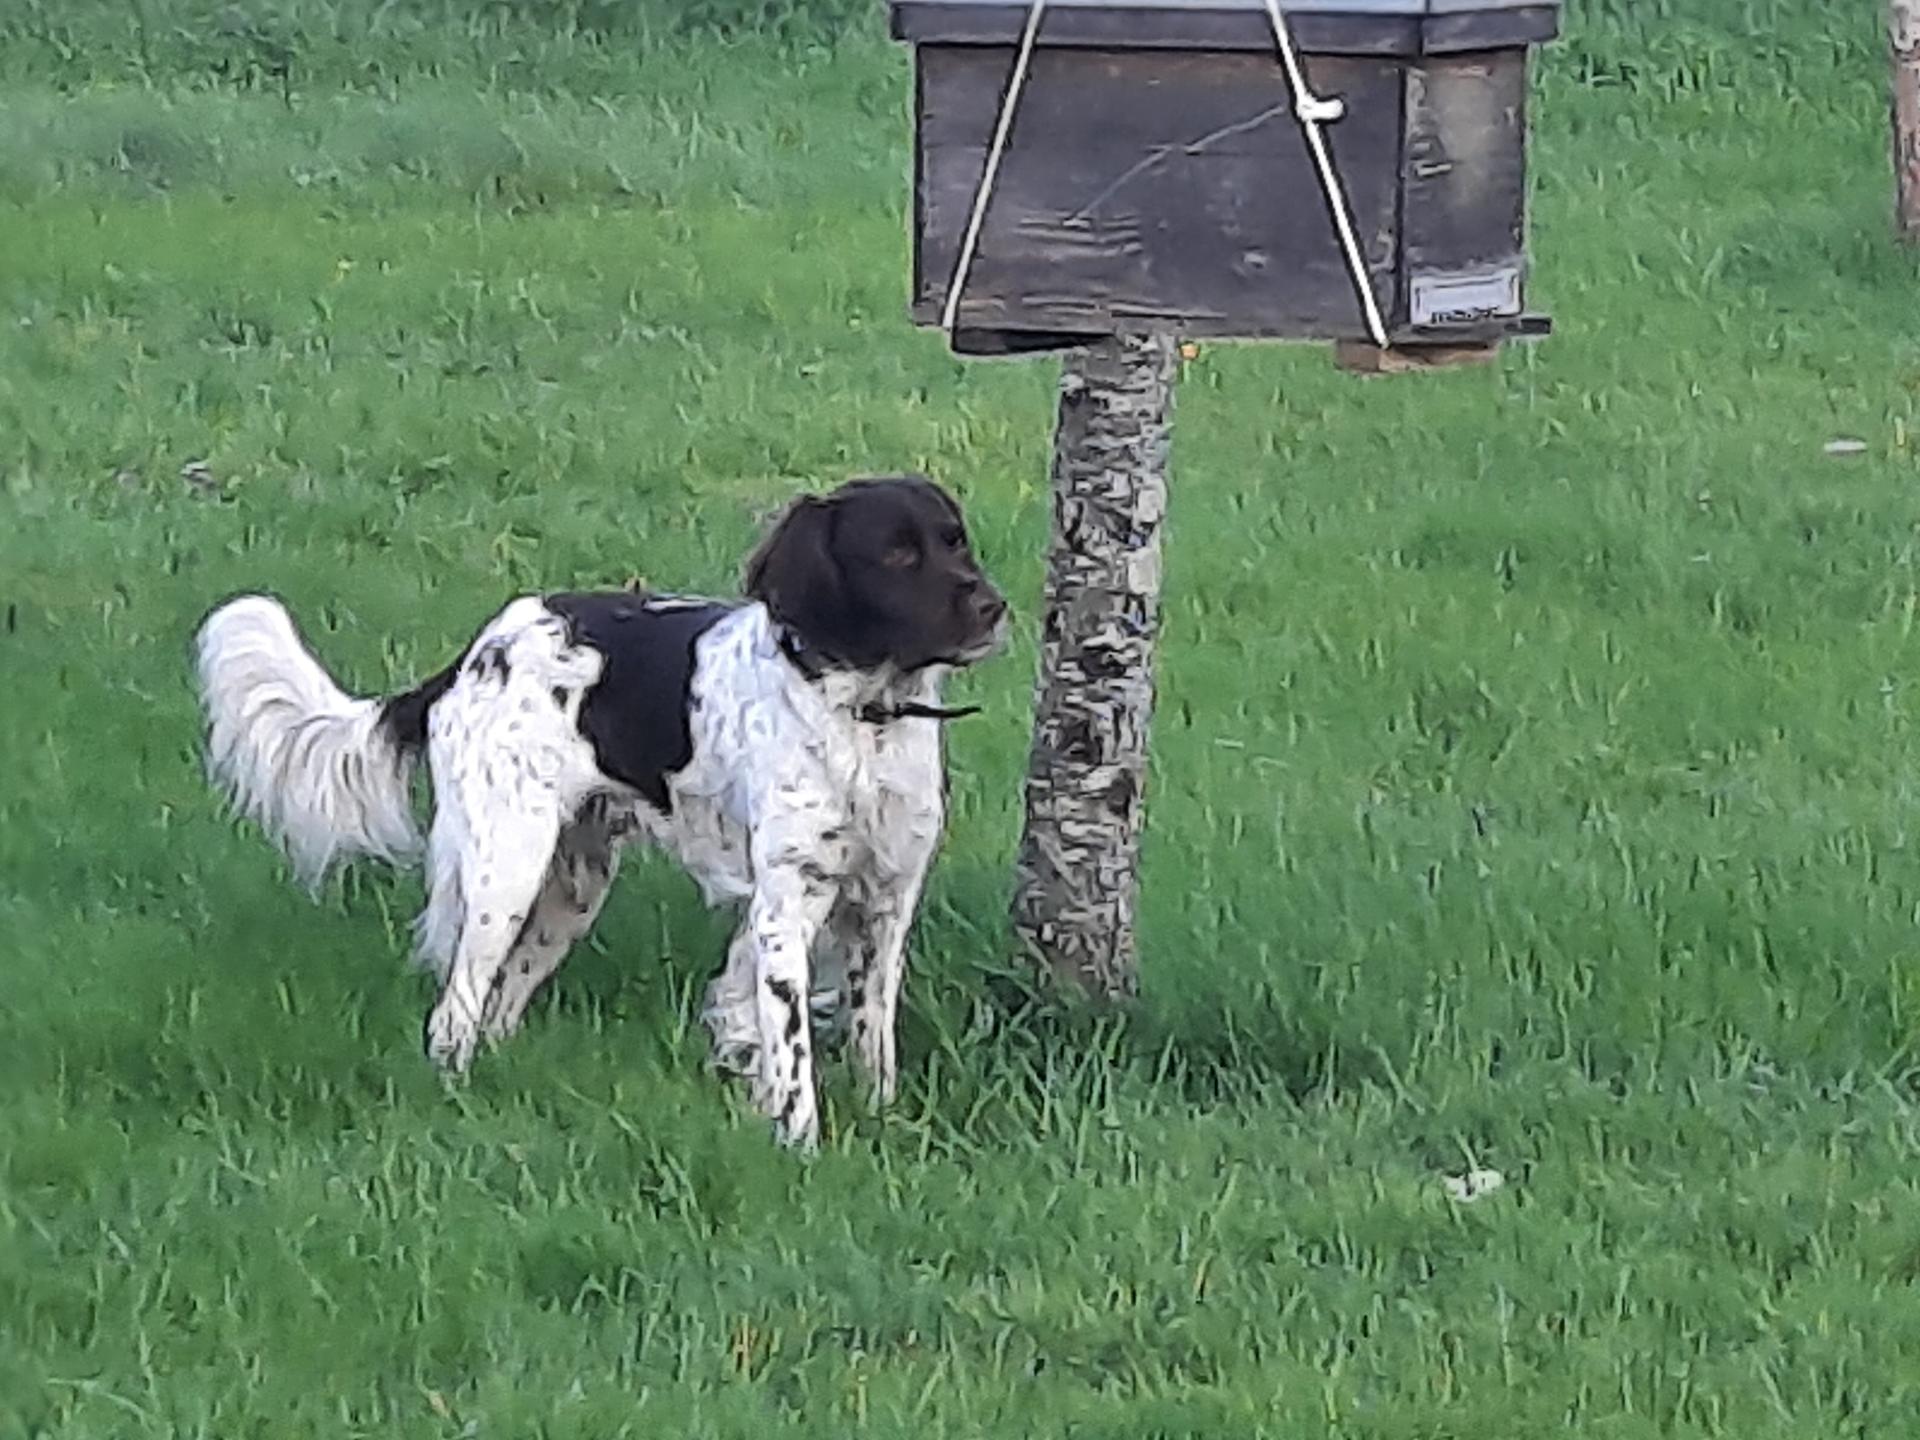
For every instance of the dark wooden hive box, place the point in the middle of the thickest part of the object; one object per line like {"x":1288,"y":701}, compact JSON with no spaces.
{"x":1156,"y":176}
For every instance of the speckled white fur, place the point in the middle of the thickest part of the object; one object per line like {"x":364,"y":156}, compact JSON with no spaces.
{"x":817,"y":824}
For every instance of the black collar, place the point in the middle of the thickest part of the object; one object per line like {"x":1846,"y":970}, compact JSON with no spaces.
{"x":877,"y":712}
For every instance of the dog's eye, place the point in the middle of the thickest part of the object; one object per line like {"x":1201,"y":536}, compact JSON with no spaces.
{"x":954,"y":538}
{"x":901,"y":557}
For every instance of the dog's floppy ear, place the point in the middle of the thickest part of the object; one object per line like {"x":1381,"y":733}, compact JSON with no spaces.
{"x":793,"y":572}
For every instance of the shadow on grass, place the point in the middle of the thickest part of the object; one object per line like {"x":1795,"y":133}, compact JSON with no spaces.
{"x":311,"y":1018}
{"x":987,"y":1040}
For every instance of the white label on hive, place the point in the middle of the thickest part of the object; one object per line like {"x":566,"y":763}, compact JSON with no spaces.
{"x":1455,"y":297}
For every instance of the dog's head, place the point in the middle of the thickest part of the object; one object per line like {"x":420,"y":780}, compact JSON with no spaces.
{"x":878,"y":573}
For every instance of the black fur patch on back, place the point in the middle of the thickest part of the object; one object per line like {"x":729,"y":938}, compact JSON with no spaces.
{"x":637,"y":716}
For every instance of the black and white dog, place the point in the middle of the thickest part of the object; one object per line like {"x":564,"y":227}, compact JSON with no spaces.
{"x":785,"y":749}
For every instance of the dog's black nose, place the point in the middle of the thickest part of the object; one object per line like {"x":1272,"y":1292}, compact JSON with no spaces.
{"x":991,"y":608}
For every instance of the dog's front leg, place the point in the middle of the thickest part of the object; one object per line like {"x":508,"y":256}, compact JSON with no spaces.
{"x":791,"y":901}
{"x":876,"y":965}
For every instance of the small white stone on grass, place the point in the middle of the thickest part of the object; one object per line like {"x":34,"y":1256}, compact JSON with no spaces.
{"x":1846,"y":447}
{"x":199,"y":477}
{"x":1473,"y":1185}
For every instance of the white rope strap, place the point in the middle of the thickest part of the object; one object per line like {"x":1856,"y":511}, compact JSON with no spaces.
{"x":1313,"y":111}
{"x":971,"y":241}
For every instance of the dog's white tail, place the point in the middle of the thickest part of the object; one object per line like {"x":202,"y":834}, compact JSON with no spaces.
{"x":322,"y":772}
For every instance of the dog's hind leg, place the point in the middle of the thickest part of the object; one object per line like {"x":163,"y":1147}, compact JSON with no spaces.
{"x":731,"y":1013}
{"x":498,"y":855}
{"x":576,"y":887}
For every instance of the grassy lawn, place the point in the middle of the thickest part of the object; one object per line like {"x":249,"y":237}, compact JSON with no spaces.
{"x":1534,"y":777}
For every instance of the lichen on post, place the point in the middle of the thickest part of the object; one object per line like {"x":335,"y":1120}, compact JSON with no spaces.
{"x":1076,"y":880}
{"x":1903,"y":31}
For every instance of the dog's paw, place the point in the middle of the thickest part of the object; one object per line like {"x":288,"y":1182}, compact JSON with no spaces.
{"x":735,"y":1032}
{"x":801,"y":1141}
{"x":500,"y":1021}
{"x":734,"y":1059}
{"x":829,"y":1015}
{"x":796,"y":1121}
{"x":451,"y":1039}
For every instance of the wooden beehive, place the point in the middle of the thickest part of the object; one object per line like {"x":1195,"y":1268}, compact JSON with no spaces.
{"x":1156,"y":176}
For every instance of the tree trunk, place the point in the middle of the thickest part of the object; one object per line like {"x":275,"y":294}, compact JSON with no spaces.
{"x":1077,"y":876}
{"x":1904,"y":32}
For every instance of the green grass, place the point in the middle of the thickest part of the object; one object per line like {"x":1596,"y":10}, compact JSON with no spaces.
{"x":1533,"y":782}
